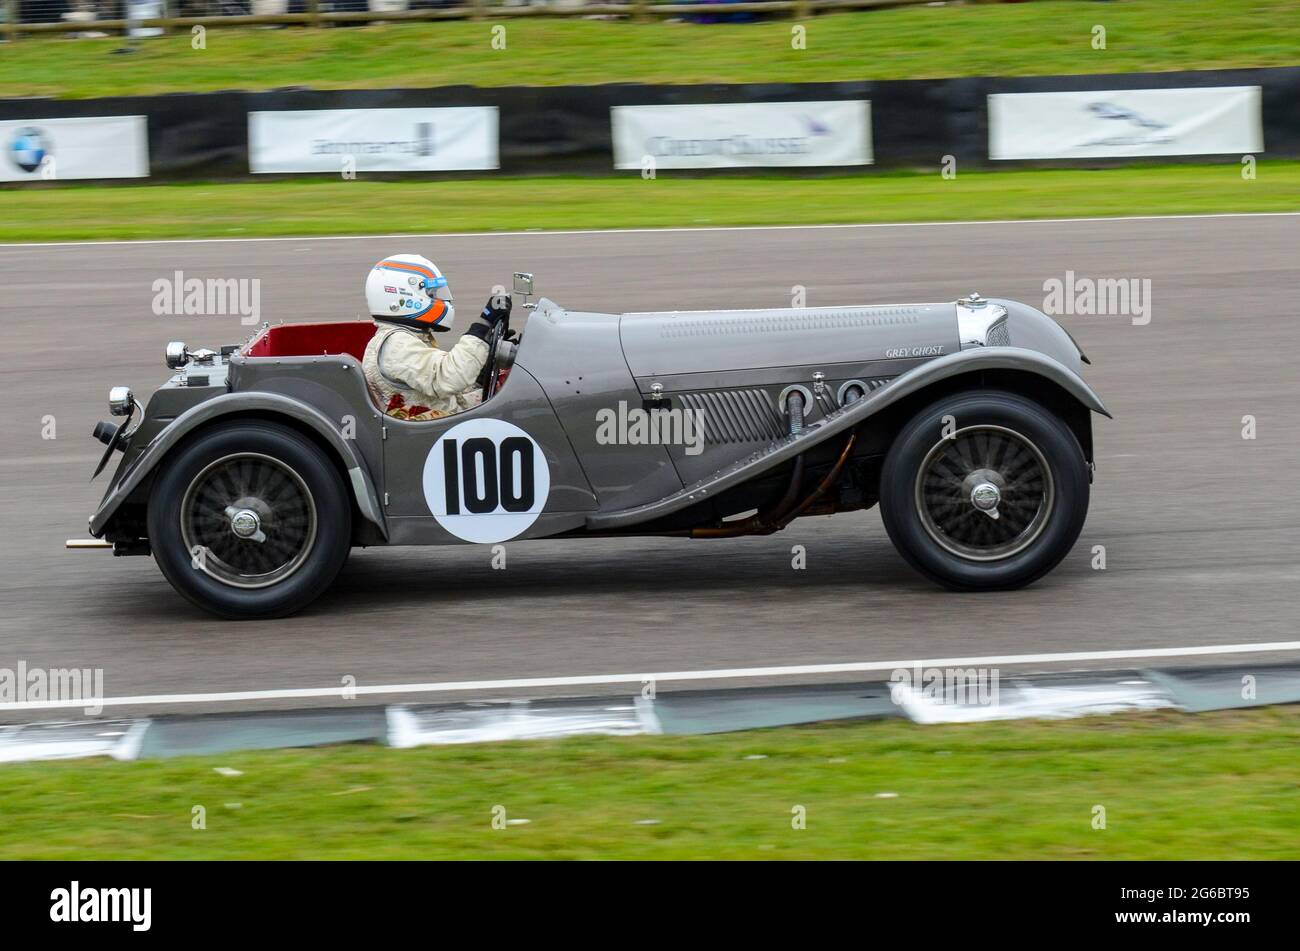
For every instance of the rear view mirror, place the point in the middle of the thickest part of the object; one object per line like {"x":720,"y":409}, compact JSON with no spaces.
{"x":523,"y":283}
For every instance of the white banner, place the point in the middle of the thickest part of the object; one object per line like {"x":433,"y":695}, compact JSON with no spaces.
{"x":89,"y":147}
{"x":739,"y":135}
{"x":373,"y":140}
{"x":1125,"y":122}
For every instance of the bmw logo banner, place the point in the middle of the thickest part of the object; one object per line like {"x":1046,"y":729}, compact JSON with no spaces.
{"x":28,"y":149}
{"x":71,"y":148}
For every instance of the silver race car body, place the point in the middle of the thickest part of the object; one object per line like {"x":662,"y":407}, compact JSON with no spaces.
{"x":968,"y":420}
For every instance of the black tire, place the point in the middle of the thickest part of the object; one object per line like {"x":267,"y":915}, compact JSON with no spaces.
{"x":928,"y":491}
{"x":303,"y":515}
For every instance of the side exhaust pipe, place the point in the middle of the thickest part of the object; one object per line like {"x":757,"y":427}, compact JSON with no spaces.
{"x":779,"y":515}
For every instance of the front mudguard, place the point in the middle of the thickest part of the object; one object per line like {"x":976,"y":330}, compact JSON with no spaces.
{"x":847,"y":417}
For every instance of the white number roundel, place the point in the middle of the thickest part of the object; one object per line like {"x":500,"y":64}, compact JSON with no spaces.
{"x":486,"y":480}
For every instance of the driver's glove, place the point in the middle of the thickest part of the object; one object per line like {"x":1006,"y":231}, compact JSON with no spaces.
{"x":496,"y":310}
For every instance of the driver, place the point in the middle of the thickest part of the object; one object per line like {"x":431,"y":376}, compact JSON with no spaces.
{"x":412,"y":378}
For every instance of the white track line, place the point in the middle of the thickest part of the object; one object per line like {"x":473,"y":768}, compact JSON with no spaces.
{"x":735,"y":673}
{"x":671,"y":230}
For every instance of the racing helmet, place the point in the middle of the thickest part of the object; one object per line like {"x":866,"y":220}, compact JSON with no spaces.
{"x":408,"y":289}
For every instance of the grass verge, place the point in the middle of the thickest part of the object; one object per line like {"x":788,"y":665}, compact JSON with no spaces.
{"x":1173,"y":786}
{"x":324,"y":207}
{"x":1042,"y":38}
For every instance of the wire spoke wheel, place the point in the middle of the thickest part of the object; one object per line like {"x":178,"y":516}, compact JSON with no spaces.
{"x":248,"y":520}
{"x":984,"y":493}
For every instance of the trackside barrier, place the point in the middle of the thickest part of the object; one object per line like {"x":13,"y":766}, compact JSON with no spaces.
{"x":566,"y":130}
{"x":921,"y":695}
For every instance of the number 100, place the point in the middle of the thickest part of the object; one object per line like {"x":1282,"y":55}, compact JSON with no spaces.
{"x":463,"y":464}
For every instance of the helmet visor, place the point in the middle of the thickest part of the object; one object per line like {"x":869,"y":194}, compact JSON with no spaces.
{"x":437,"y":289}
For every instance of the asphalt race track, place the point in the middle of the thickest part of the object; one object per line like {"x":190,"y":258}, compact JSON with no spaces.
{"x":1200,"y":526}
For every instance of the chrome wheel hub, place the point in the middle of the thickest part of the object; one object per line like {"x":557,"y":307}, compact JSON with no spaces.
{"x":248,"y":520}
{"x":245,"y":523}
{"x":986,"y":497}
{"x":984,"y":493}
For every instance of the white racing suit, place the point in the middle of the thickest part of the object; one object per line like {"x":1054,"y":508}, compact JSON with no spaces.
{"x":412,"y":379}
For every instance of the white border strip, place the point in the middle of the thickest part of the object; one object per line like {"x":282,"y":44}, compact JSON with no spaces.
{"x":733,"y":673}
{"x":128,"y":747}
{"x":1025,"y":699}
{"x":540,"y":232}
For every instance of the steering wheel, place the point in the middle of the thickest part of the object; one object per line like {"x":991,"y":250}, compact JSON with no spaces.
{"x":491,"y":371}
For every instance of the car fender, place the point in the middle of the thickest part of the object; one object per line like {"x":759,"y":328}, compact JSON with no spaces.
{"x":852,"y":414}
{"x":358,"y":474}
{"x":980,"y":358}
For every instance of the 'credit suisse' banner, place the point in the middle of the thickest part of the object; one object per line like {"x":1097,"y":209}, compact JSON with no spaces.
{"x":1209,"y":120}
{"x":743,"y":135}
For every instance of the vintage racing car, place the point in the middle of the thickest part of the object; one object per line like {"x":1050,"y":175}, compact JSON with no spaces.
{"x":254,"y":470}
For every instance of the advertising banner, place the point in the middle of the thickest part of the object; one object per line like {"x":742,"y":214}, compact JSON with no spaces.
{"x":1208,"y":120}
{"x":82,"y":147}
{"x":743,"y":135}
{"x":373,"y":140}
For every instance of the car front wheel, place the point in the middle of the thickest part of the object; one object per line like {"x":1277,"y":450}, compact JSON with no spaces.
{"x":984,"y":490}
{"x":250,"y":520}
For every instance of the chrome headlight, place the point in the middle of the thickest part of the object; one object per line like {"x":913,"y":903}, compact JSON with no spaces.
{"x":121,"y":401}
{"x":177,"y":354}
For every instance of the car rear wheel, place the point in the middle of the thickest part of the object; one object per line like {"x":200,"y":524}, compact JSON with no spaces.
{"x":250,"y":520}
{"x":984,"y":490}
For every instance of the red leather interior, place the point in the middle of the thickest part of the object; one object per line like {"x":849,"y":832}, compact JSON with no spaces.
{"x":313,"y":340}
